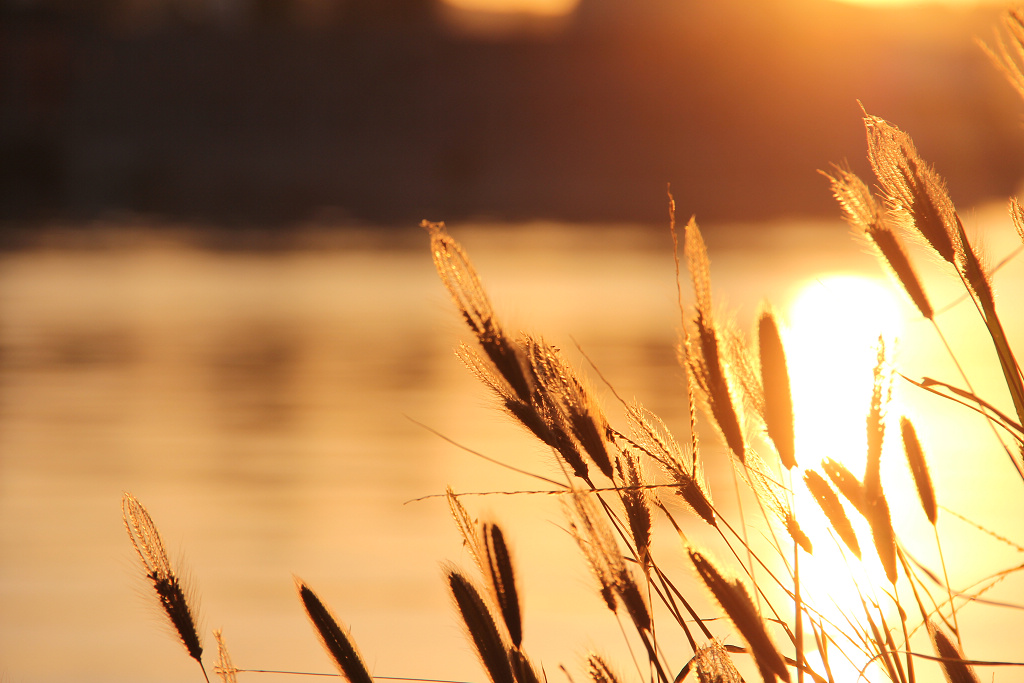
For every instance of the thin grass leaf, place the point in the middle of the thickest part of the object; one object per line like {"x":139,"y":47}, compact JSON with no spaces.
{"x":881,"y":647}
{"x":333,"y":636}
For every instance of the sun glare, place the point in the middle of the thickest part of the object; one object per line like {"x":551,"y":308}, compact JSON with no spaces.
{"x":831,"y":348}
{"x":834,"y":325}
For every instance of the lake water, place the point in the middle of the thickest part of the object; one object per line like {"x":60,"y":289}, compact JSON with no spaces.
{"x":276,"y":412}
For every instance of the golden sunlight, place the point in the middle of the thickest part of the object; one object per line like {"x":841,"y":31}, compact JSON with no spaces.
{"x":831,"y":349}
{"x":834,"y":324}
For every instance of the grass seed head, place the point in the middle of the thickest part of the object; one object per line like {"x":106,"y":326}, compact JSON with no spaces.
{"x":704,"y":357}
{"x":915,"y":192}
{"x":175,"y":601}
{"x":224,"y":669}
{"x":956,"y":669}
{"x":919,"y":468}
{"x":851,"y":487}
{"x":735,"y":601}
{"x":502,"y":582}
{"x":599,"y":671}
{"x":334,"y":637}
{"x":778,"y":399}
{"x":714,"y":665}
{"x":481,"y":627}
{"x":829,"y":503}
{"x":1017,"y":216}
{"x":867,"y":218}
{"x":463,"y":284}
{"x":635,"y":500}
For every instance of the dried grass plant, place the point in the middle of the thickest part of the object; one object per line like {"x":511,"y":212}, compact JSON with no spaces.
{"x":762,"y":620}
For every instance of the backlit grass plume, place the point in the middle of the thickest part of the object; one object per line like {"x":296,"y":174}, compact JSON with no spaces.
{"x":829,"y":503}
{"x":867,"y":218}
{"x":954,"y":666}
{"x":916,"y":194}
{"x":224,"y":669}
{"x":778,"y":400}
{"x":175,"y":601}
{"x":481,"y":627}
{"x":599,"y":670}
{"x":919,"y":469}
{"x":738,"y":606}
{"x":501,"y":580}
{"x":333,"y":636}
{"x":705,"y":351}
{"x":1008,"y":55}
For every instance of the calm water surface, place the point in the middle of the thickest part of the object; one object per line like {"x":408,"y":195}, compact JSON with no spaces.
{"x":267,"y":408}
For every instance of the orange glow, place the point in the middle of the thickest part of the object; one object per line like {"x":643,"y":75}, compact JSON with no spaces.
{"x":559,"y":7}
{"x":543,"y":7}
{"x":909,"y":3}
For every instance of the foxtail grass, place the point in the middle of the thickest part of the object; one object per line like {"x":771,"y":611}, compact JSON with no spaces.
{"x":175,"y":600}
{"x":333,"y":636}
{"x":956,"y":668}
{"x":225,"y":670}
{"x":630,"y":490}
{"x":778,"y":399}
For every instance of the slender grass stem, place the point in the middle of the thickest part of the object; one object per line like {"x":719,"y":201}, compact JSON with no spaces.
{"x":967,"y":382}
{"x":949,"y":589}
{"x":798,"y":615}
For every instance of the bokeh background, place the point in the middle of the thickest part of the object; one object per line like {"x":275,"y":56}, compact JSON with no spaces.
{"x":273,"y":112}
{"x":214,"y":293}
